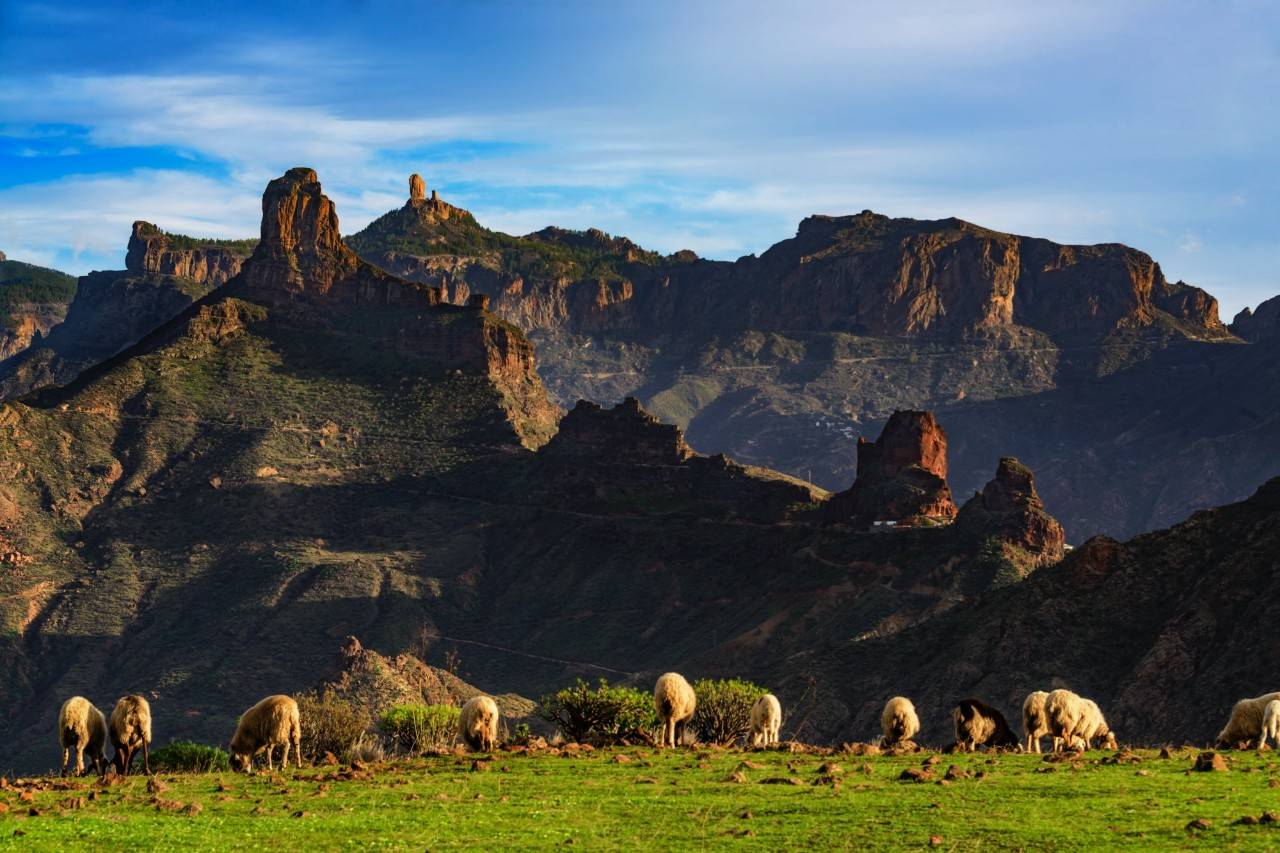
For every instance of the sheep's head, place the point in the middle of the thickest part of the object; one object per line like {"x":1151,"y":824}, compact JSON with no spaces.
{"x":1110,"y":740}
{"x":240,"y":762}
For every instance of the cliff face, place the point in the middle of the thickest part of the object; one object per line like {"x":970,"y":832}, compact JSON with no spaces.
{"x":153,"y":251}
{"x":1009,"y":517}
{"x":902,"y":476}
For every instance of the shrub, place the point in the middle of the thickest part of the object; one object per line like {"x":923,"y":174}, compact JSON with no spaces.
{"x":329,"y":723}
{"x":367,"y":748}
{"x":723,"y":713}
{"x":183,"y":756}
{"x":612,"y":714}
{"x":417,"y":728}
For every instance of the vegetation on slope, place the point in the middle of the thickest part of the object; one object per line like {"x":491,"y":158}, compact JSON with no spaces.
{"x":24,"y":284}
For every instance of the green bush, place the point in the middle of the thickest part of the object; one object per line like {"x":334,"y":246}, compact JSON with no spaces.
{"x":329,"y":723}
{"x":183,"y":756}
{"x":724,"y":709}
{"x":611,"y":714}
{"x":417,"y":728}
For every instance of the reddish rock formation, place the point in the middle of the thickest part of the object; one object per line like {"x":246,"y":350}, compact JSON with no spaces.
{"x":902,"y":475}
{"x":152,"y":251}
{"x":1256,"y":324}
{"x":417,"y":187}
{"x":301,"y":266}
{"x":1009,"y":509}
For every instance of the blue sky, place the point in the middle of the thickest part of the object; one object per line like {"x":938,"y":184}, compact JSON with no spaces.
{"x":714,"y":126}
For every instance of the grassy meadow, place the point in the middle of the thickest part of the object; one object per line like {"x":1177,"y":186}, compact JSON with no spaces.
{"x":637,"y":797}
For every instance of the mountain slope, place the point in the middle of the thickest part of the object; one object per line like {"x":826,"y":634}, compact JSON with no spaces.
{"x":786,"y":359}
{"x":1164,"y":631}
{"x":318,"y":449}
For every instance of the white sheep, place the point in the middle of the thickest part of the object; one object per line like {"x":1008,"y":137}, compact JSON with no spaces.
{"x":675,"y":702}
{"x":1270,"y":724}
{"x":898,"y":721}
{"x":82,"y":729}
{"x":272,"y":722}
{"x":1246,"y":720}
{"x":130,"y":730}
{"x":1076,"y":721}
{"x":1035,"y":723}
{"x":766,"y":720}
{"x":478,"y":723}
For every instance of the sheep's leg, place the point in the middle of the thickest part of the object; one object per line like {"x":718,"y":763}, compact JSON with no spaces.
{"x":146,"y":757}
{"x":284,"y":760}
{"x":66,"y":759}
{"x":270,"y":766}
{"x":79,"y":760}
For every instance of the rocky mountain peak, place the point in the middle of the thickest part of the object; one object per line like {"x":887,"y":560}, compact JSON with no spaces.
{"x":417,"y":187}
{"x":1013,"y":486}
{"x":301,"y":248}
{"x":1010,"y":510}
{"x":1254,"y":325}
{"x":902,"y":475}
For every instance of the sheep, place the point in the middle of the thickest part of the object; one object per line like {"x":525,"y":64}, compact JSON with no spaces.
{"x":1035,"y":723}
{"x":1077,"y":721}
{"x":675,"y":702}
{"x":82,"y":728}
{"x":130,"y":729}
{"x":478,"y":723}
{"x":1270,"y":724}
{"x":979,"y":723}
{"x":272,"y":722}
{"x":766,"y":719}
{"x":1246,"y":721}
{"x":898,"y":721}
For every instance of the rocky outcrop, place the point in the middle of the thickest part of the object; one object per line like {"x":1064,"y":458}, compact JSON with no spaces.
{"x":302,"y":268}
{"x":902,"y":476}
{"x":625,"y":434}
{"x":625,"y":459}
{"x":204,"y":262}
{"x":417,"y":187}
{"x":1009,"y":515}
{"x":1256,"y":324}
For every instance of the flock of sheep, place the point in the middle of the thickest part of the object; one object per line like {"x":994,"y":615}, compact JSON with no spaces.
{"x":1073,"y":722}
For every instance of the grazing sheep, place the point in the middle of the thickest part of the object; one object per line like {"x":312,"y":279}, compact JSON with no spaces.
{"x":1270,"y":724}
{"x":130,"y":729}
{"x":272,"y":722}
{"x":977,"y":723}
{"x":898,"y":721}
{"x":766,"y":719}
{"x":675,"y":702}
{"x":82,"y":728}
{"x":1035,"y":722}
{"x":1246,"y":720}
{"x":1077,"y":721}
{"x":478,"y":723}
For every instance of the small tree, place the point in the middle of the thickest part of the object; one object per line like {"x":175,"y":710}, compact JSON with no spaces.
{"x":329,"y":723}
{"x":612,"y":714}
{"x":417,"y":728}
{"x":723,"y":713}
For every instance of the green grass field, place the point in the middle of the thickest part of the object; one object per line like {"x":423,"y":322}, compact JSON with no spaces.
{"x":691,"y":799}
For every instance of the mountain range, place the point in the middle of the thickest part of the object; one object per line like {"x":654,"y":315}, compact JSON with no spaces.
{"x":237,"y":454}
